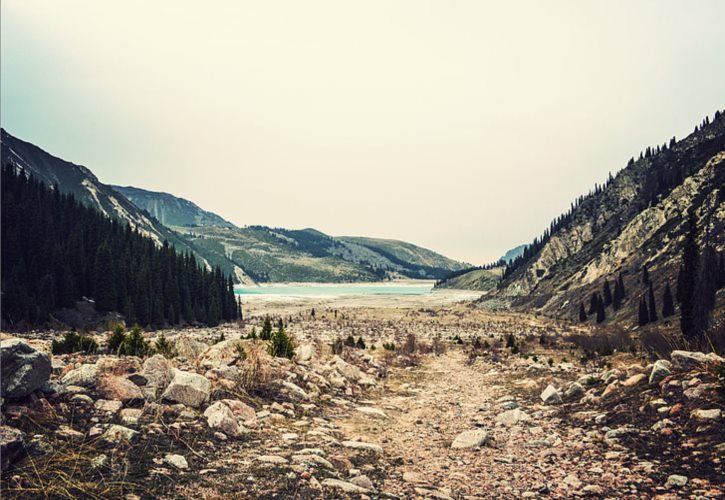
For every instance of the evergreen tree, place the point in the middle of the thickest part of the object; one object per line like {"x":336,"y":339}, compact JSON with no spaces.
{"x":652,"y":307}
{"x":645,"y":275}
{"x":104,"y":278}
{"x":280,"y":345}
{"x":593,"y":303}
{"x":601,"y":315}
{"x":618,"y":294}
{"x":266,"y":332}
{"x":582,"y":312}
{"x":621,"y":286}
{"x":668,"y":305}
{"x":607,"y":294}
{"x":643,"y":312}
{"x":688,"y":278}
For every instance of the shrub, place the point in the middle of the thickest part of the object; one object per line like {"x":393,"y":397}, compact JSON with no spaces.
{"x":389,"y":346}
{"x":350,"y":341}
{"x":603,"y":343}
{"x":438,"y":346}
{"x":266,"y":333}
{"x":280,"y":345}
{"x":134,"y":344}
{"x":410,"y":346}
{"x":220,"y":338}
{"x":240,"y":350}
{"x":551,"y":362}
{"x":116,"y":339}
{"x":337,"y":346}
{"x":360,"y":344}
{"x":163,"y":347}
{"x":73,"y":342}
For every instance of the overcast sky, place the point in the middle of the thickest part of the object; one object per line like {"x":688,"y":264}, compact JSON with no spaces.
{"x":464,"y":127}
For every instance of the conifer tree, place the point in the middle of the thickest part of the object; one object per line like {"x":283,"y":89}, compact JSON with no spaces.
{"x":607,"y":294}
{"x":668,"y":305}
{"x":601,"y":315}
{"x":645,"y":275}
{"x":643,"y":312}
{"x":266,"y":332}
{"x":105,"y":286}
{"x":687,"y":279}
{"x":593,"y":303}
{"x":582,"y":312}
{"x":651,"y":306}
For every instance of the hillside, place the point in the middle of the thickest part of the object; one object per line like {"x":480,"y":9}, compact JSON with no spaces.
{"x":171,"y":210}
{"x":86,"y":188}
{"x":485,"y":280}
{"x":636,"y":220}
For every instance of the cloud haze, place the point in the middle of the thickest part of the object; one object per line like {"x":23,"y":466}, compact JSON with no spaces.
{"x":461,"y":126}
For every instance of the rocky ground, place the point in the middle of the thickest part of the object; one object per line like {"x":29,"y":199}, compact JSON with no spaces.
{"x":451,"y":413}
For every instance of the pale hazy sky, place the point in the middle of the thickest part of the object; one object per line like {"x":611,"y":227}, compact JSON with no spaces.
{"x":461,"y":126}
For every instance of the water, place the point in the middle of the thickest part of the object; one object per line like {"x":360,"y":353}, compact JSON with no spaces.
{"x":336,"y":290}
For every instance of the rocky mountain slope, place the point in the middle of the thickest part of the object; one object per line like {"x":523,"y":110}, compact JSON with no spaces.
{"x":85,"y":187}
{"x":171,"y":210}
{"x":637,"y":219}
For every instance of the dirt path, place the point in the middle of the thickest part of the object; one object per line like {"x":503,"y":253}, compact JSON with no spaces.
{"x":428,"y":406}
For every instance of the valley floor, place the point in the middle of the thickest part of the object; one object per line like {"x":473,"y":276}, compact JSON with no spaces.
{"x":467,"y":421}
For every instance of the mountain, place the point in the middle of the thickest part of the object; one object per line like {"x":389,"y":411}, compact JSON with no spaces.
{"x":636,"y":220}
{"x":86,"y":188}
{"x":513,"y":254}
{"x":171,"y":210}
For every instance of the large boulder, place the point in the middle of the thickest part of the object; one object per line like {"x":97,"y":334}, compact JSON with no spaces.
{"x":221,"y":354}
{"x":187,"y":348}
{"x":11,"y":445}
{"x":119,"y":389}
{"x":190,"y":389}
{"x":24,"y":368}
{"x":690,"y":360}
{"x":305,"y":352}
{"x":158,"y":372}
{"x":85,"y":375}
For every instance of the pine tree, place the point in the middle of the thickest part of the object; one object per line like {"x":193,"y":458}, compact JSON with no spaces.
{"x":280,"y":345}
{"x":668,"y":305}
{"x":105,"y":286}
{"x":601,"y":315}
{"x":593,"y":303}
{"x":618,"y":295}
{"x":266,"y":332}
{"x":645,"y":275}
{"x":607,"y":294}
{"x":652,"y":307}
{"x":688,"y":278}
{"x":643,"y":312}
{"x":582,"y":312}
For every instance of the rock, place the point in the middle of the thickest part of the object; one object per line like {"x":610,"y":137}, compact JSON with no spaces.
{"x":414,"y":477}
{"x":305,"y":352}
{"x":106,"y":406}
{"x":118,"y":366}
{"x":120,"y":389}
{"x":177,"y":461}
{"x":67,"y":432}
{"x":158,"y":372}
{"x":187,"y":388}
{"x":471,"y":439}
{"x":118,"y":433}
{"x":660,"y":370}
{"x":706,"y":415}
{"x":82,"y":398}
{"x":512,"y":417}
{"x":343,"y":486}
{"x":221,"y":417}
{"x":676,"y":481}
{"x":634,"y":380}
{"x":294,"y":390}
{"x":99,"y":461}
{"x":272,"y":459}
{"x":221,"y":354}
{"x":24,"y":369}
{"x":372,"y":412}
{"x":83,"y":376}
{"x":574,"y":391}
{"x":363,"y":482}
{"x":129,"y":416}
{"x":11,"y":445}
{"x":187,"y":348}
{"x":572,"y":482}
{"x":610,"y":389}
{"x":688,"y":360}
{"x":312,"y":459}
{"x":359,"y":445}
{"x":550,"y":396}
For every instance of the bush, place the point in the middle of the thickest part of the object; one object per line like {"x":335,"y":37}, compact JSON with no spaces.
{"x":410,"y":346}
{"x":116,"y":339}
{"x":220,"y":338}
{"x":337,"y":346}
{"x":134,"y":344}
{"x":163,"y":347}
{"x":350,"y":341}
{"x":73,"y":342}
{"x":438,"y":346}
{"x":603,"y":343}
{"x":280,"y":345}
{"x":240,"y":350}
{"x":389,"y":346}
{"x":360,"y":344}
{"x":266,"y":329}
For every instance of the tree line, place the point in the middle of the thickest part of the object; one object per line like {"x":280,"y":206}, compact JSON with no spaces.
{"x":57,"y":251}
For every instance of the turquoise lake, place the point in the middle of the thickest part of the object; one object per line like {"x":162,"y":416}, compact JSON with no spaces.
{"x":335,"y":290}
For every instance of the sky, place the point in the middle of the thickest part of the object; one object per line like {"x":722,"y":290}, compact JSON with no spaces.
{"x":464,"y":127}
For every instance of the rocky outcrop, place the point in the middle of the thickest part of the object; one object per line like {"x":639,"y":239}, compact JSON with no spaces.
{"x":24,"y":368}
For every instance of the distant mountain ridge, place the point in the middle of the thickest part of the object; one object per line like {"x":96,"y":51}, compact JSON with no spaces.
{"x":249,"y":254}
{"x":513,"y":253}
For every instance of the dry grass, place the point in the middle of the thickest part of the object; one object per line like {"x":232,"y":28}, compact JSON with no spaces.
{"x":69,"y":472}
{"x":256,"y":373}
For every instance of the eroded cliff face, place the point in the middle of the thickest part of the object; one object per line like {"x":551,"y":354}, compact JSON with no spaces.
{"x":626,"y":226}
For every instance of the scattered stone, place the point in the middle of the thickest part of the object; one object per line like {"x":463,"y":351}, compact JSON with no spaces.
{"x":11,"y":445}
{"x":372,"y":412}
{"x":272,"y":459}
{"x":177,"y":461}
{"x":676,"y":481}
{"x":221,"y":417}
{"x":660,"y":370}
{"x":106,"y":406}
{"x":471,"y":439}
{"x":634,"y":380}
{"x":692,"y":360}
{"x":118,"y":433}
{"x":706,"y":415}
{"x":344,"y":486}
{"x":574,"y":391}
{"x":359,"y":445}
{"x":513,"y":417}
{"x":551,"y":396}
